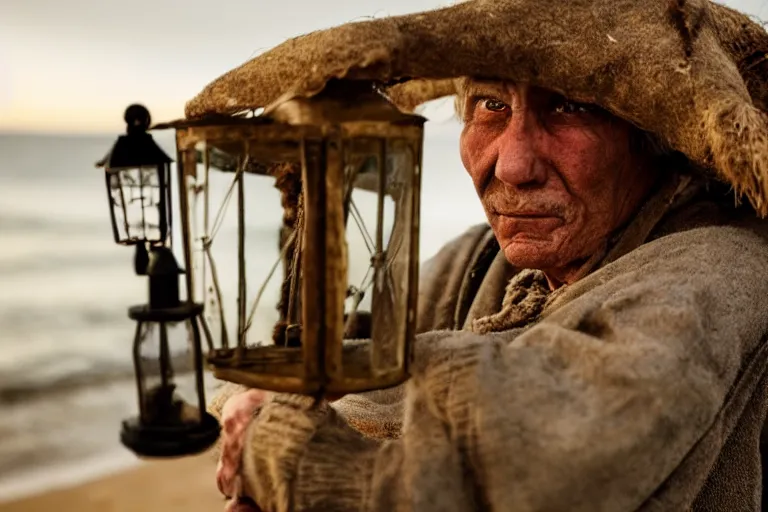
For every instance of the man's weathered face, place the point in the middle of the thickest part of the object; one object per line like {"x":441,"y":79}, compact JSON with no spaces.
{"x":555,"y":177}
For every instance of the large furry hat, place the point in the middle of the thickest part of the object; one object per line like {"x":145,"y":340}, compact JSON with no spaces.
{"x":691,"y":71}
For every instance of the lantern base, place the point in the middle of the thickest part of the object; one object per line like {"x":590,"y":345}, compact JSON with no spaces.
{"x":169,"y":441}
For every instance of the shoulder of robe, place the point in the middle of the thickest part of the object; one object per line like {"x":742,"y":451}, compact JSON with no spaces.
{"x":444,"y":276}
{"x":725,"y":263}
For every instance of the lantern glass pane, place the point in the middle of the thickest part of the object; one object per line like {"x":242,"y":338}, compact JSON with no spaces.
{"x":213,"y":188}
{"x":392,"y":264}
{"x":138,"y":203}
{"x":379,"y":242}
{"x":362,"y":171}
{"x":167,"y":366}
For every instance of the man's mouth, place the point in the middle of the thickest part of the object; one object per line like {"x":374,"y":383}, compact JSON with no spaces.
{"x":527,"y":222}
{"x":527,"y":214}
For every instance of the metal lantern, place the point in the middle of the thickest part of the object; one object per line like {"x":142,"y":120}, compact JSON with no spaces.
{"x":167,"y":425}
{"x":167,"y":328}
{"x":138,"y":186}
{"x":318,"y":150}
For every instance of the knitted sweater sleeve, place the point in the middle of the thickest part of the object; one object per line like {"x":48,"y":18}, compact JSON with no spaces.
{"x":590,"y":409}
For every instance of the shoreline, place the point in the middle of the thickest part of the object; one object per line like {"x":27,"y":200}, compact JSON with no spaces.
{"x":36,"y":481}
{"x":65,"y":438}
{"x":177,"y":484}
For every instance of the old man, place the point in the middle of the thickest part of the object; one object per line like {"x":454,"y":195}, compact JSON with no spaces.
{"x":600,"y":345}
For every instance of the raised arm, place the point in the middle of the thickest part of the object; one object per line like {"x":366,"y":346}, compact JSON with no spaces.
{"x":591,"y":409}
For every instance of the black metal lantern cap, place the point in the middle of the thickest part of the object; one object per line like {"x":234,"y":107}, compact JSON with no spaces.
{"x":136,"y":148}
{"x":170,"y":441}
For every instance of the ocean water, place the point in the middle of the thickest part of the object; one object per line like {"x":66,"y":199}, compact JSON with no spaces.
{"x":66,"y":377}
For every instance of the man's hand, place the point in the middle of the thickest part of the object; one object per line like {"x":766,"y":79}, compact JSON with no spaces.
{"x":236,"y":415}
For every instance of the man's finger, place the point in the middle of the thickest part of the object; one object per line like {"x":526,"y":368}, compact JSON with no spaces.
{"x":241,"y":505}
{"x":237,"y":414}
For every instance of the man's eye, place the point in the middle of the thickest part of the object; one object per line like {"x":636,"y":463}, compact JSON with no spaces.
{"x":570,"y":107}
{"x":494,"y":105}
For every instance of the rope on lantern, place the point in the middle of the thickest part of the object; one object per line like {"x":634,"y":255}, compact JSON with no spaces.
{"x":358,"y":218}
{"x":207,"y":241}
{"x":255,"y":305}
{"x":289,"y":183}
{"x":368,"y":278}
{"x":352,"y":171}
{"x":293,"y":275}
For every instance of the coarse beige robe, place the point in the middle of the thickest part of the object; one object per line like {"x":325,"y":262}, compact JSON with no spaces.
{"x":642,"y":386}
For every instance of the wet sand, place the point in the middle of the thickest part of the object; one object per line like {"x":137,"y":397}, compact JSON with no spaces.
{"x":185,"y":484}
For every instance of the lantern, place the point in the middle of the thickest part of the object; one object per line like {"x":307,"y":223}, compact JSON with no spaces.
{"x":319,"y":150}
{"x":138,"y":187}
{"x":167,"y":425}
{"x":167,"y":328}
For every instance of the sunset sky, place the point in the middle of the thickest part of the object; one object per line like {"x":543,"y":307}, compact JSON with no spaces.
{"x":74,"y":65}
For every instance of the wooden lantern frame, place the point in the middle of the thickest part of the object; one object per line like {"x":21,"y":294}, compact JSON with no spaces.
{"x":319,"y":130}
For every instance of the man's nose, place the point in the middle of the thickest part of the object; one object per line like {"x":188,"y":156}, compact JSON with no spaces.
{"x":518,"y":163}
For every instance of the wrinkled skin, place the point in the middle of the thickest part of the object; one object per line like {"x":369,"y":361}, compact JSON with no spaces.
{"x":556,"y":178}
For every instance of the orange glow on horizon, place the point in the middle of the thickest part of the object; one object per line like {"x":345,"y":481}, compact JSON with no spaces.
{"x":79,"y":119}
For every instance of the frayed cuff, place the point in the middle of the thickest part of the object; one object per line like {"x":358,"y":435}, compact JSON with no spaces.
{"x":300,"y":455}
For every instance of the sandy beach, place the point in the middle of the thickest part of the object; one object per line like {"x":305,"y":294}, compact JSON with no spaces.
{"x":181,"y":484}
